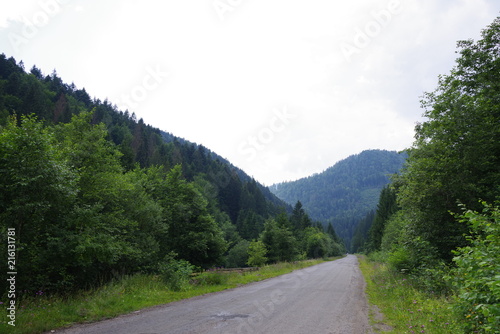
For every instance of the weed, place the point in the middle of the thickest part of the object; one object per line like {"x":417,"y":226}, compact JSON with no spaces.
{"x":406,"y":307}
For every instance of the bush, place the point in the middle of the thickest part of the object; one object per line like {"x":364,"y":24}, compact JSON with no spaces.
{"x":393,"y":231}
{"x":175,"y":273}
{"x":477,"y":275}
{"x":237,"y":256}
{"x":413,"y":255}
{"x":257,"y":254}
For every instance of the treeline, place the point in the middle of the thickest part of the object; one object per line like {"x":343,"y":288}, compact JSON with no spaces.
{"x":93,"y":194}
{"x":54,"y":102}
{"x":439,"y":220}
{"x":344,"y":193}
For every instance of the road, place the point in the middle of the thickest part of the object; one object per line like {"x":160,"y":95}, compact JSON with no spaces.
{"x":326,"y":299}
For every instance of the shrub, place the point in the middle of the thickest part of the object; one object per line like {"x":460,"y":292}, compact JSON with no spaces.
{"x":257,"y":254}
{"x":413,"y":255}
{"x":238,"y":255}
{"x":477,"y":275}
{"x":175,"y":273}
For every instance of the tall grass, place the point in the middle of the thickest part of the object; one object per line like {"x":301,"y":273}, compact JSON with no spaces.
{"x":41,"y":313}
{"x":406,"y":308}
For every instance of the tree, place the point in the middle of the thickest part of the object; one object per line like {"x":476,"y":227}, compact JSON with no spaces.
{"x":360,"y":237}
{"x":456,"y":154}
{"x":386,"y":207}
{"x":280,"y":242}
{"x":299,"y":219}
{"x":115,"y":224}
{"x":37,"y":191}
{"x":192,"y":233}
{"x":238,"y":256}
{"x":257,"y":254}
{"x":317,"y":243}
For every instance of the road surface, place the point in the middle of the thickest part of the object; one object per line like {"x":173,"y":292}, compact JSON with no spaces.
{"x":326,"y":299}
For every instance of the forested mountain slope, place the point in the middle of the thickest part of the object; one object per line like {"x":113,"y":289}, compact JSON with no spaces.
{"x":91,"y":193}
{"x":344,"y":193}
{"x":54,"y":102}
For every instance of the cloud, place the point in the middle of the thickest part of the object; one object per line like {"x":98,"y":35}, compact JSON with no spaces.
{"x":225,"y":77}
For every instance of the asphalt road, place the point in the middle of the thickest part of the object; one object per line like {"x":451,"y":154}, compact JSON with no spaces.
{"x":327,"y":298}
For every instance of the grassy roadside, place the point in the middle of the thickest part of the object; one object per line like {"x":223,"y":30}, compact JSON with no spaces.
{"x":405,"y":308}
{"x":41,"y":313}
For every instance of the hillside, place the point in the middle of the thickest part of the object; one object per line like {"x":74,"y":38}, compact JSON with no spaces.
{"x":55,"y":102}
{"x":344,"y":193}
{"x":91,"y":193}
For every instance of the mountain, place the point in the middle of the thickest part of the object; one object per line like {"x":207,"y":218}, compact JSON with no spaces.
{"x":93,"y":194}
{"x":230,"y":189}
{"x":344,"y":193}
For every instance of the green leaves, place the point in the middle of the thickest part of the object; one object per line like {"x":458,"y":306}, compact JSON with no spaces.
{"x":280,"y":242}
{"x":80,"y":218}
{"x":175,"y":273}
{"x":192,"y":231}
{"x":37,"y":190}
{"x":257,"y":254}
{"x":476,"y":277}
{"x":456,"y":154}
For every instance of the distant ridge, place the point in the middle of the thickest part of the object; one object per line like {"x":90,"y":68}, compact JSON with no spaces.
{"x":344,"y":193}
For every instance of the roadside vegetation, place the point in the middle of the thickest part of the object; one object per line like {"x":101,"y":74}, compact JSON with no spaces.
{"x":406,"y":307}
{"x":41,"y":313}
{"x":89,"y":194}
{"x":434,"y":241}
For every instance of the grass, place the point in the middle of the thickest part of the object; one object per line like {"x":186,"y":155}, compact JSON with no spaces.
{"x":41,"y":313}
{"x":406,"y":308}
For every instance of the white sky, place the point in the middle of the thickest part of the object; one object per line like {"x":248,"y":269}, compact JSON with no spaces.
{"x":281,"y":88}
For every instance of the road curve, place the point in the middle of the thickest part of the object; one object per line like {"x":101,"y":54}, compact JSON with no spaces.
{"x":326,"y":299}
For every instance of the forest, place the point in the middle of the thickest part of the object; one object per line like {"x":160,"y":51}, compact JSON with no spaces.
{"x":90,"y":193}
{"x":438,"y":222}
{"x":345,"y":192}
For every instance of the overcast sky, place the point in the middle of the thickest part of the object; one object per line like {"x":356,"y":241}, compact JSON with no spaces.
{"x":281,"y":88}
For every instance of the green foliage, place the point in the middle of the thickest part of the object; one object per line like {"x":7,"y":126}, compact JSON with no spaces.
{"x":413,"y":255}
{"x":249,"y":224}
{"x":256,"y":254}
{"x":455,"y":159}
{"x":238,"y":255}
{"x":175,"y":273}
{"x":317,"y":243}
{"x":476,"y":277}
{"x":97,"y":195}
{"x":44,"y":313}
{"x":300,"y":219}
{"x":210,"y":278}
{"x":346,"y":192}
{"x":386,"y":207}
{"x":80,"y":218}
{"x":360,"y":237}
{"x":192,"y":231}
{"x":38,"y":189}
{"x":405,"y":307}
{"x":393,"y":232}
{"x":280,"y":242}
{"x":456,"y":153}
